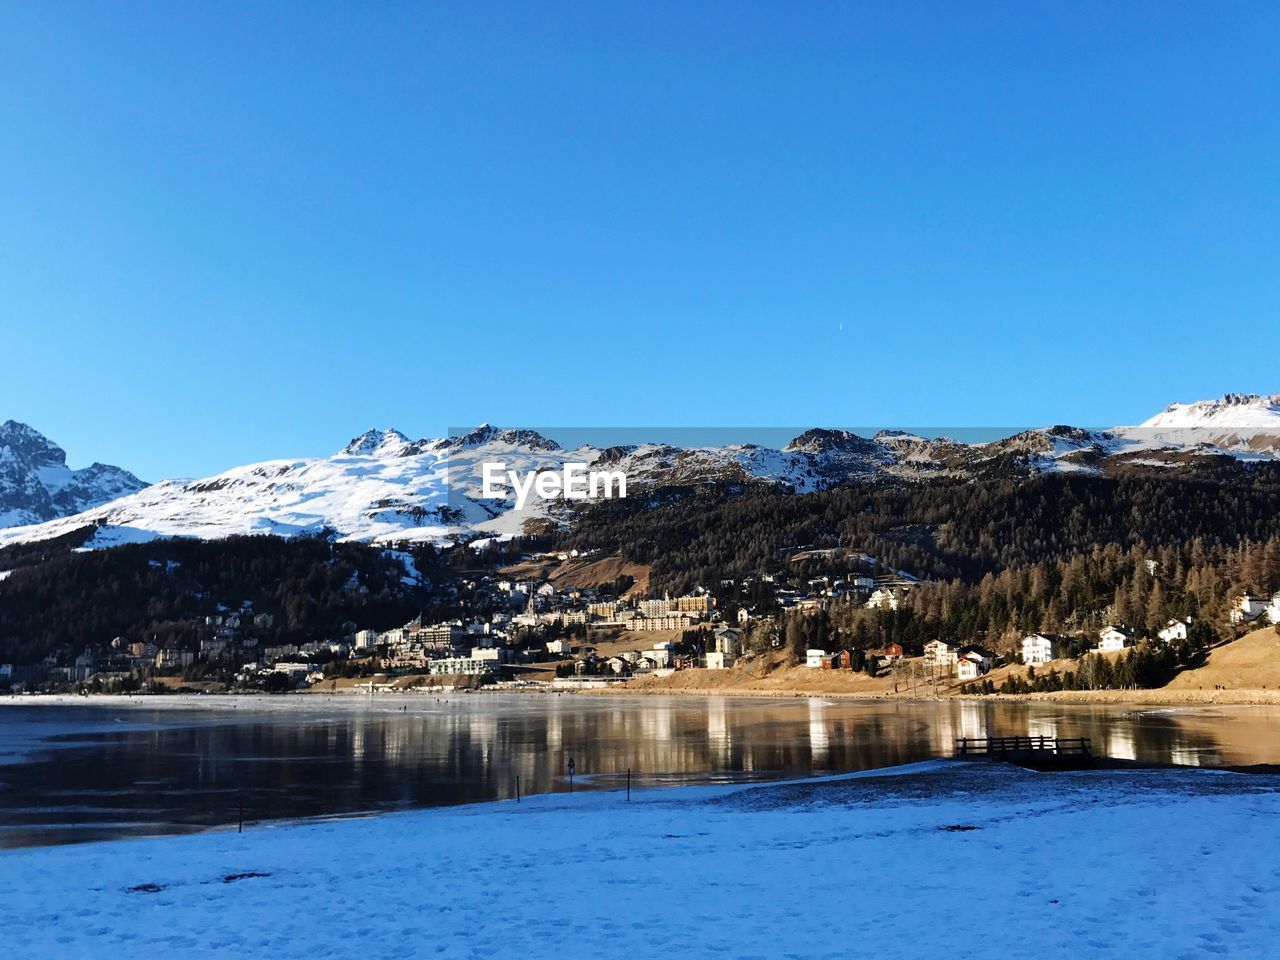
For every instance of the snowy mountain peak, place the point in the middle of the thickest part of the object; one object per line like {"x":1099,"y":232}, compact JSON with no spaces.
{"x":382,"y":487}
{"x":819,"y":440}
{"x":487,"y":434}
{"x":30,"y":445}
{"x":1235,"y":411}
{"x":37,"y":485}
{"x":377,"y":443}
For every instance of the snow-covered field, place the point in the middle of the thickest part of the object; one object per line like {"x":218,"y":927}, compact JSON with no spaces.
{"x":931,"y":860}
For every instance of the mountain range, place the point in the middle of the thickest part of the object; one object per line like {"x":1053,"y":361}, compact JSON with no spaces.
{"x":384,"y":487}
{"x":37,"y":485}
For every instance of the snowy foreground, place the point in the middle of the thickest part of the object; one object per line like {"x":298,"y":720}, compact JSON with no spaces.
{"x":930,"y":860}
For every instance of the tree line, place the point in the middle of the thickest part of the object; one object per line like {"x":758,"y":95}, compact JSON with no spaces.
{"x":313,"y":588}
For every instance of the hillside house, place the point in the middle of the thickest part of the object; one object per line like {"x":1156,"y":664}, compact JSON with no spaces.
{"x":1042,"y":648}
{"x":1247,"y":608}
{"x":725,"y":640}
{"x":1273,"y":609}
{"x":1173,"y":630}
{"x":940,"y":653}
{"x":717,"y":660}
{"x":967,"y":669}
{"x":1114,"y":639}
{"x":893,"y":651}
{"x":981,"y":656}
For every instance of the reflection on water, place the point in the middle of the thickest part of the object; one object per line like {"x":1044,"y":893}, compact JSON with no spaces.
{"x":97,"y":771}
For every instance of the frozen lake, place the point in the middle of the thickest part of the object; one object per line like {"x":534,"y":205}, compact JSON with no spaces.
{"x":105,"y":769}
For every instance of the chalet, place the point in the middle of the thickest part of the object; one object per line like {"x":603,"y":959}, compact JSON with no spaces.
{"x":1041,"y":648}
{"x":817,"y":659}
{"x":892,"y":651}
{"x":1273,"y":609}
{"x":939,"y":653}
{"x":1173,"y":630}
{"x":967,"y":669}
{"x":1112,"y":639}
{"x":744,"y":616}
{"x":983,"y":657}
{"x":1247,"y":608}
{"x":717,"y":660}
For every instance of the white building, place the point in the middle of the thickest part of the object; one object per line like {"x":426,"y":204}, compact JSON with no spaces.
{"x":660,"y":654}
{"x":365,"y":639}
{"x":655,"y":608}
{"x":967,"y":669}
{"x":458,"y":665}
{"x":1273,"y":609}
{"x":561,"y":647}
{"x":1113,"y":639}
{"x":1247,"y":608}
{"x":726,"y":640}
{"x":719,"y":661}
{"x":1040,"y":648}
{"x":940,"y":653}
{"x":1173,"y":630}
{"x":813,"y":658}
{"x":884,"y":598}
{"x":296,"y":671}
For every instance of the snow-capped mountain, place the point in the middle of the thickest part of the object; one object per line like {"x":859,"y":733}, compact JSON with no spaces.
{"x":1238,"y":422}
{"x":37,"y":485}
{"x":384,"y":487}
{"x":1235,"y":411}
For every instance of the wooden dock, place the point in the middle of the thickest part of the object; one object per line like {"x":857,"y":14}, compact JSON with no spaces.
{"x":1036,"y":752}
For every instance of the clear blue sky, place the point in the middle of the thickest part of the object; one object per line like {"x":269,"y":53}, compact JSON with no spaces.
{"x":237,"y":231}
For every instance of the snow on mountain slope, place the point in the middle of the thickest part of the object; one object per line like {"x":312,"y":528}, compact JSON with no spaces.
{"x":37,"y":485}
{"x":384,"y":487}
{"x":1235,"y":411}
{"x":1241,"y":424}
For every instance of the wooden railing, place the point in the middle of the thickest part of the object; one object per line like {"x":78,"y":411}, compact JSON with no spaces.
{"x":999,"y":746}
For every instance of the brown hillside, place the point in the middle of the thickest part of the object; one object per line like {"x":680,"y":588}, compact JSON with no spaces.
{"x":1252,"y":662}
{"x":580,"y":574}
